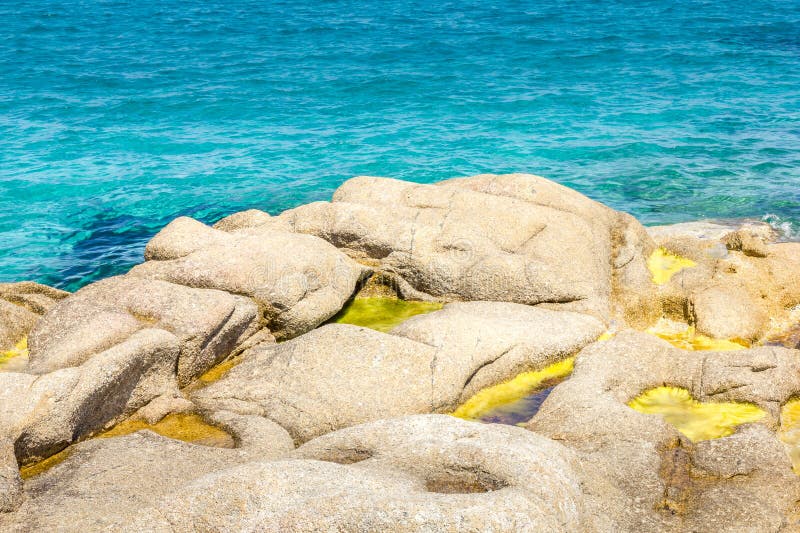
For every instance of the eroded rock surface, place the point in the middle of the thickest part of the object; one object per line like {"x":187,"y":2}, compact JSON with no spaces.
{"x":298,"y":281}
{"x":43,"y":414}
{"x":497,"y":340}
{"x":103,"y":483}
{"x":515,"y":238}
{"x":21,"y":305}
{"x":422,"y":473}
{"x":742,"y":283}
{"x":653,"y":477}
{"x":208,"y":324}
{"x":341,"y":375}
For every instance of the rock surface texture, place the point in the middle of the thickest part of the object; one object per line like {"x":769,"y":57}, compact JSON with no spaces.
{"x":222,"y":386}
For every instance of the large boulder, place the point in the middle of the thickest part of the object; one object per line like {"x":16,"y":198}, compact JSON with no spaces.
{"x":515,"y":238}
{"x":653,"y":477}
{"x":506,"y":338}
{"x":298,"y":281}
{"x":413,"y":474}
{"x":102,"y":484}
{"x":21,"y":305}
{"x":341,"y":375}
{"x":209,"y":324}
{"x":43,"y":414}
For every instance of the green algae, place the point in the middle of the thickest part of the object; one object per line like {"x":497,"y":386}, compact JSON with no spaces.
{"x":698,"y":421}
{"x":382,"y":314}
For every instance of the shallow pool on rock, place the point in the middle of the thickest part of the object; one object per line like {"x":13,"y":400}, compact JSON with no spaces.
{"x":187,"y":427}
{"x":685,"y":337}
{"x":382,"y":314}
{"x":698,"y":421}
{"x":16,"y":358}
{"x":515,"y":401}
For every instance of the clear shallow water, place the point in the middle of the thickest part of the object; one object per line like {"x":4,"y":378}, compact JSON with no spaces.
{"x":116,"y":117}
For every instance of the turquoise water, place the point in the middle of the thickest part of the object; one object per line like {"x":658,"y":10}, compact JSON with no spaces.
{"x":116,"y":117}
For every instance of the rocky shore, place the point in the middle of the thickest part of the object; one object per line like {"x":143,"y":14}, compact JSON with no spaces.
{"x":338,"y":367}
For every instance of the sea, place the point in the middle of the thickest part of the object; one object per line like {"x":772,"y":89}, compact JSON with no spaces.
{"x":118,"y":116}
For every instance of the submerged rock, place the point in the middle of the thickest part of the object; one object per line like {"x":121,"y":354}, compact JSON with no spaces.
{"x":298,"y":281}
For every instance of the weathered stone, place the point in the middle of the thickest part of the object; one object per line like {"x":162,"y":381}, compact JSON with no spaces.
{"x":654,"y":478}
{"x":727,"y":312}
{"x":747,"y":243}
{"x":336,"y":376}
{"x":341,"y":375}
{"x":423,"y":473}
{"x":102,"y":484}
{"x":299,"y":281}
{"x":530,"y":245}
{"x":21,"y":305}
{"x":44,"y":414}
{"x":10,"y":482}
{"x":208,"y":323}
{"x":761,"y":285}
{"x":507,"y":338}
{"x":243,"y":219}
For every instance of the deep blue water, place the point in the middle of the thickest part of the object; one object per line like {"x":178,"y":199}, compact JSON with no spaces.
{"x":115,"y":117}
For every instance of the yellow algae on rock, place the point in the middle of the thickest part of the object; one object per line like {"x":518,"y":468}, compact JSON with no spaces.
{"x":180,"y":426}
{"x":789,"y":432}
{"x":608,"y":335}
{"x":216,"y":372}
{"x":698,"y":421}
{"x":382,"y":314}
{"x":19,"y":350}
{"x":34,"y":469}
{"x":512,"y":390}
{"x":663,"y":265}
{"x":685,"y":337}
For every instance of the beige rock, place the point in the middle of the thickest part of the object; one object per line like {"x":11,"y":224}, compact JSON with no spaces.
{"x":333,"y":377}
{"x":747,"y":243}
{"x":10,"y":482}
{"x":761,"y":286}
{"x":209,"y":324}
{"x":21,"y":305}
{"x":727,"y":312}
{"x":645,"y":474}
{"x":532,"y":243}
{"x":103,"y":483}
{"x":423,"y":473}
{"x":244,"y":219}
{"x":43,"y":414}
{"x":506,"y":338}
{"x":341,"y":375}
{"x":298,"y":281}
